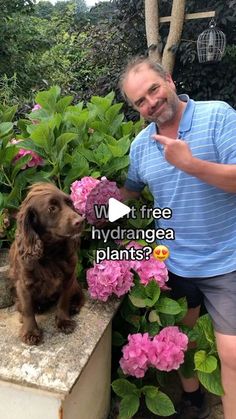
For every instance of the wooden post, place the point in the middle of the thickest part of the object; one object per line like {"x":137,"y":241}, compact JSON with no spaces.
{"x":189,"y":16}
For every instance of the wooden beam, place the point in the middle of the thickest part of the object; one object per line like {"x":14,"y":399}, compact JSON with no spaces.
{"x":189,"y":16}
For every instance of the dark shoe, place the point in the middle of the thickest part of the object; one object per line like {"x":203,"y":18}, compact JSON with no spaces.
{"x":185,"y":410}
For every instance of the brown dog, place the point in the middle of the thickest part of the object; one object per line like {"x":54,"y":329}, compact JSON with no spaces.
{"x":43,"y":259}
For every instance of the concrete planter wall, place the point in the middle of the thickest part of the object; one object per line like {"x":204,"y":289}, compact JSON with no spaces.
{"x":67,"y":376}
{"x":5,"y":293}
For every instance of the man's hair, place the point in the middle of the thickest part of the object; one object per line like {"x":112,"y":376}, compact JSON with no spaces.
{"x":134,"y":64}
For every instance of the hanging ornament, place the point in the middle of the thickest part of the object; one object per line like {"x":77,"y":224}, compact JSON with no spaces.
{"x":211,"y":44}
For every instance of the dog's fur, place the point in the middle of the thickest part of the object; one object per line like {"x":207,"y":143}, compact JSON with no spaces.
{"x":43,"y":259}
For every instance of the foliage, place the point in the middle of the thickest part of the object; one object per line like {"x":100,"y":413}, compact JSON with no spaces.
{"x":126,"y":23}
{"x":78,"y":140}
{"x":85,"y":134}
{"x":147,"y":309}
{"x":44,"y":9}
{"x":8,"y":90}
{"x":20,"y":51}
{"x":205,"y":81}
{"x":84,"y":51}
{"x":9,"y":7}
{"x":157,"y":401}
{"x":73,"y":140}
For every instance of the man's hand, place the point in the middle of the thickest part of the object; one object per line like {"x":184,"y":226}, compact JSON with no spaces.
{"x":177,"y":152}
{"x":128,"y":194}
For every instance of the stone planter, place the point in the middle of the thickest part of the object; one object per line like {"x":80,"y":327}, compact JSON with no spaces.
{"x":67,"y":376}
{"x":6,"y":299}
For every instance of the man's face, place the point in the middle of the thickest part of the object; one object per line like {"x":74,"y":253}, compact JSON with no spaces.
{"x":151,"y":95}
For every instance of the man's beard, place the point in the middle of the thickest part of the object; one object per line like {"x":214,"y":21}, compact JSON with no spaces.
{"x":169,"y":113}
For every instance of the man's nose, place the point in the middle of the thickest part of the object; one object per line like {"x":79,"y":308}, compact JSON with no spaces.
{"x":152,"y":101}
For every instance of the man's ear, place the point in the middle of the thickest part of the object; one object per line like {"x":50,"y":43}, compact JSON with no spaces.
{"x":170,"y":81}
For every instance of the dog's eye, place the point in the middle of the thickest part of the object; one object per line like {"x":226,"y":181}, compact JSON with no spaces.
{"x":69,"y":203}
{"x":52,"y":209}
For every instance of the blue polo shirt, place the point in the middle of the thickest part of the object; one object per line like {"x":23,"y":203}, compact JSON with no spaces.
{"x":203,"y":216}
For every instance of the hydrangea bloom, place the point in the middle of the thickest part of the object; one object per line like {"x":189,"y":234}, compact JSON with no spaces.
{"x":149,"y":269}
{"x":35,"y":160}
{"x":80,"y":189}
{"x":36,"y":107}
{"x":135,"y":360}
{"x":100,"y":196}
{"x":164,"y":352}
{"x":167,"y":352}
{"x":109,"y":277}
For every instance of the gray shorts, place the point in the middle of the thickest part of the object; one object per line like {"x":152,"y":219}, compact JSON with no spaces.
{"x":218,"y":293}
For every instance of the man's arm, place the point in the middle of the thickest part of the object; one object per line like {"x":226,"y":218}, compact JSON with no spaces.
{"x":128,"y":194}
{"x":178,"y":153}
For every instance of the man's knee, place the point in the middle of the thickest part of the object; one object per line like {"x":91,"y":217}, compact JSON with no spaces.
{"x":228,"y":359}
{"x":226,"y":349}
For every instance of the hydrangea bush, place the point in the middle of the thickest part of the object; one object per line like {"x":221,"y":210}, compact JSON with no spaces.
{"x":157,"y":340}
{"x":84,"y":151}
{"x":61,"y":142}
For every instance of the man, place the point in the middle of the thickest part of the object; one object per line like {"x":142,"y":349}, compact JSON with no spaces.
{"x":187,"y":157}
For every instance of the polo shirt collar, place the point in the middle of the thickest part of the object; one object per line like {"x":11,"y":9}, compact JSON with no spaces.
{"x":187,"y":117}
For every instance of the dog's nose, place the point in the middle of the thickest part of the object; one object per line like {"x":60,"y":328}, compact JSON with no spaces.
{"x":78,"y":221}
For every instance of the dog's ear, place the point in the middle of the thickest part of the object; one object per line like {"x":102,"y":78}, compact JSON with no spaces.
{"x":29,"y":244}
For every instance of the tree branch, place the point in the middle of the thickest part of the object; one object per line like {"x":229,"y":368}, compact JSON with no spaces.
{"x":152,"y":29}
{"x":174,"y":36}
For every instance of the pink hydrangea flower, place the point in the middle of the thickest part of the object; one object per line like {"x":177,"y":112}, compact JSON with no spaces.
{"x":164,"y":352}
{"x":35,"y":160}
{"x":36,"y":107}
{"x":80,"y":189}
{"x":100,"y":196}
{"x":109,"y":277}
{"x":135,"y":360}
{"x":167,"y":351}
{"x":149,"y":269}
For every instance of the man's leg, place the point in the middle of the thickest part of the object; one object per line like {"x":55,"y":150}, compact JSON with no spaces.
{"x":193,"y":402}
{"x":190,"y":384}
{"x":226,"y":345}
{"x":185,"y":287}
{"x":220,"y":302}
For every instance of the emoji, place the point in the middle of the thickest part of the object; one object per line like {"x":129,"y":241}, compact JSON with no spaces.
{"x":161,"y":253}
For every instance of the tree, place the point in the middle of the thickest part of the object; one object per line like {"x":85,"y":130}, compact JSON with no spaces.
{"x":80,"y":6}
{"x":21,"y":45}
{"x":174,"y":35}
{"x":152,"y":29}
{"x":178,"y":11}
{"x":44,"y":9}
{"x":9,"y":7}
{"x":84,"y":53}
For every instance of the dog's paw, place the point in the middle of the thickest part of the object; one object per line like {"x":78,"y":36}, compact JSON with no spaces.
{"x":76,"y":303}
{"x":75,"y":308}
{"x":31,"y":337}
{"x":66,"y":326}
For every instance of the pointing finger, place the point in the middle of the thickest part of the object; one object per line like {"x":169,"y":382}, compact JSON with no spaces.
{"x":162,"y":139}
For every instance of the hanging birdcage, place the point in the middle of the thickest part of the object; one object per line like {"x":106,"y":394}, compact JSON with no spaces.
{"x":211,"y":44}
